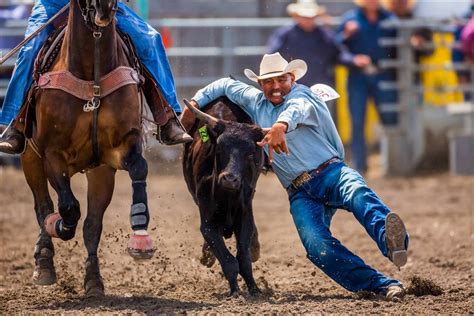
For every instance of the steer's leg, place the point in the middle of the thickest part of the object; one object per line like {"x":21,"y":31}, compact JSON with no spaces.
{"x":100,"y":188}
{"x":140,"y":245}
{"x":230,"y":266}
{"x":44,"y":273}
{"x":62,"y":225}
{"x":244,"y":236}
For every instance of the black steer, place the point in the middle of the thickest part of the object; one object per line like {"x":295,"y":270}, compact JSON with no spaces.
{"x":221,"y":167}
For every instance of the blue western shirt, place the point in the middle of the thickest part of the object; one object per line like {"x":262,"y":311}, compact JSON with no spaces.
{"x":311,"y":137}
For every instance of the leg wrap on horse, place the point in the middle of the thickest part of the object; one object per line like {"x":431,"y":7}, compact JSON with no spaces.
{"x":139,"y":216}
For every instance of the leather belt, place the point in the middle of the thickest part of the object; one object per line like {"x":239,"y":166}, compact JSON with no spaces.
{"x":308,"y":175}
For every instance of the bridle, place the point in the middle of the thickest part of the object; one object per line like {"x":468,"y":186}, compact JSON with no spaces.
{"x":88,"y":13}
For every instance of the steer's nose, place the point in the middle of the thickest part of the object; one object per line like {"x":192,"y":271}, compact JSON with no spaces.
{"x":230,"y":181}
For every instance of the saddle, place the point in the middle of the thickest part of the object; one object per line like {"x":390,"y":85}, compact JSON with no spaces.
{"x":64,"y":80}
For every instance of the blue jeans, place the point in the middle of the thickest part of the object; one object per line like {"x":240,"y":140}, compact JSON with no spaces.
{"x":312,"y":208}
{"x":147,"y":42}
{"x":360,"y":87}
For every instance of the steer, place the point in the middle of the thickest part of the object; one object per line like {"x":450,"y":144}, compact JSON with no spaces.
{"x":221,"y":167}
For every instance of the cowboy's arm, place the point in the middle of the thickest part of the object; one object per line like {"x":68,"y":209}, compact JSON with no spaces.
{"x":244,"y":95}
{"x":298,"y":112}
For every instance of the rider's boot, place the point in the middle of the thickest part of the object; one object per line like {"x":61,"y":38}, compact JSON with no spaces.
{"x":12,"y":141}
{"x":170,"y":130}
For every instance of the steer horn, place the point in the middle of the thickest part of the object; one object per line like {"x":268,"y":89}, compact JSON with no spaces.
{"x":206,"y":118}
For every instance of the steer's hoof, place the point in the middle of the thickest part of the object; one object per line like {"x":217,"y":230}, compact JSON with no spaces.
{"x":50,"y":224}
{"x":43,"y":276}
{"x":94,"y":289}
{"x":140,"y":245}
{"x":207,"y":259}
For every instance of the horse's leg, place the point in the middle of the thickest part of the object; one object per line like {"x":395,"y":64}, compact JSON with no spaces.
{"x":44,"y":273}
{"x":62,"y":225}
{"x":100,"y":188}
{"x":140,"y":245}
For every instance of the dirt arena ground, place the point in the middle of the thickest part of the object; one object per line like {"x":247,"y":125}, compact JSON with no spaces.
{"x":437,"y":209}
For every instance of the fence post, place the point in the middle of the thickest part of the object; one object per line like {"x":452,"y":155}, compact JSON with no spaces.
{"x":401,"y":145}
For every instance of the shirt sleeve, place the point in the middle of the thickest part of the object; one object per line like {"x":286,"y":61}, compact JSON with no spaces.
{"x":341,"y":53}
{"x":340,"y":29}
{"x":275,"y":42}
{"x":242,"y":94}
{"x":298,"y":112}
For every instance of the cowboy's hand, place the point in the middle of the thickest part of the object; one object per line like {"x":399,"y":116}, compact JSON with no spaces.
{"x":275,"y":139}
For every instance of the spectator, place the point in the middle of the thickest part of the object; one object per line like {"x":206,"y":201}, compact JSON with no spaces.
{"x":421,"y":37}
{"x":360,"y":31}
{"x":315,"y":44}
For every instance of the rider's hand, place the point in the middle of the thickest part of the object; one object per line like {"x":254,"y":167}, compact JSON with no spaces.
{"x":275,"y":139}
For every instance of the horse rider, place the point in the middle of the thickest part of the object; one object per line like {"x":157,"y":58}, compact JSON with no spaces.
{"x":149,"y":48}
{"x":309,"y":164}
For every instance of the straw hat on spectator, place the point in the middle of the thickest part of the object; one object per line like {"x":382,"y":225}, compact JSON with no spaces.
{"x":273,"y":65}
{"x":305,"y":8}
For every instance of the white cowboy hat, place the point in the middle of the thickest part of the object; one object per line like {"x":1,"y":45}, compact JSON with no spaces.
{"x":305,"y":8}
{"x":273,"y":65}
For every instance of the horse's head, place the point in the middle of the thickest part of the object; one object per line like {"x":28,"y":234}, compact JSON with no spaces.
{"x":98,"y":13}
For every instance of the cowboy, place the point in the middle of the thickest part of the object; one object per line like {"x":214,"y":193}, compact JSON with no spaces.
{"x":313,"y":43}
{"x":361,"y":31}
{"x":150,"y":51}
{"x":309,"y":164}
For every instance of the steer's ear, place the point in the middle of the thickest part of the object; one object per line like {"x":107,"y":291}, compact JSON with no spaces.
{"x":216,"y":129}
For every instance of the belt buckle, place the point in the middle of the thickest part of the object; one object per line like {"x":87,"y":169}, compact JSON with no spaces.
{"x":301,"y":179}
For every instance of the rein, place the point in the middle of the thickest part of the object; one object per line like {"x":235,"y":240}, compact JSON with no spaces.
{"x":95,"y":98}
{"x":88,"y":13}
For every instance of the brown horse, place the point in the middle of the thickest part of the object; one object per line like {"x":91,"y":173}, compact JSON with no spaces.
{"x":63,"y":143}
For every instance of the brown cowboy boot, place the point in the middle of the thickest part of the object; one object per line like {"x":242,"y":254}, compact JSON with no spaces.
{"x":170,"y":130}
{"x":12,"y":141}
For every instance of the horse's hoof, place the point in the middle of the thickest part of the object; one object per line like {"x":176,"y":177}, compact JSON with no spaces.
{"x":140,"y":245}
{"x":50,"y":224}
{"x":43,"y":276}
{"x":94,"y":289}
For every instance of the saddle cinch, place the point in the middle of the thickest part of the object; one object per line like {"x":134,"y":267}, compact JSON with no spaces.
{"x":64,"y":80}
